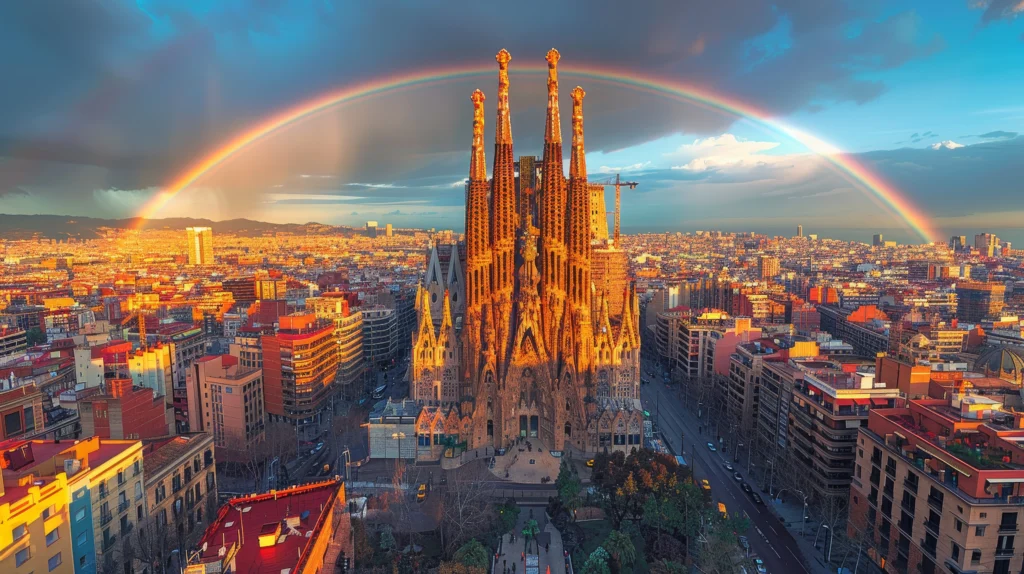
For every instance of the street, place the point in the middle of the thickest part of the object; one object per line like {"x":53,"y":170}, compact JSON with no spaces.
{"x":769,"y":539}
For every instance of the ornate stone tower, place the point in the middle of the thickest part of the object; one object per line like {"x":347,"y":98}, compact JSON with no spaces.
{"x":579,"y":321}
{"x":503,"y":228}
{"x":553,"y":258}
{"x":478,"y":252}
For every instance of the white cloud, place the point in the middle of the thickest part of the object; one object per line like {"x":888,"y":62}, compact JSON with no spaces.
{"x":634,"y":167}
{"x":316,"y":176}
{"x":725,"y":150}
{"x":376,"y":185}
{"x":946,"y":144}
{"x":276,"y":197}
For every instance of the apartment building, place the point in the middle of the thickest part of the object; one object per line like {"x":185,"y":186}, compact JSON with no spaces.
{"x":348,"y":330}
{"x":105,"y":482}
{"x":866,"y":328}
{"x":300,"y":363}
{"x":226,"y":400}
{"x":829,"y":404}
{"x":939,"y":486}
{"x":181,"y":494}
{"x":35,"y":535}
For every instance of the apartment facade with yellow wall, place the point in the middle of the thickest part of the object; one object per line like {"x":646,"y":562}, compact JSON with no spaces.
{"x":35,"y":530}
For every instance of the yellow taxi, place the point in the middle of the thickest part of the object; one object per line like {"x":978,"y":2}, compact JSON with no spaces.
{"x":421,"y":493}
{"x":590,"y":463}
{"x":705,"y":485}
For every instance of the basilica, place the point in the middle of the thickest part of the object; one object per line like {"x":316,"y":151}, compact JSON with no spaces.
{"x":529,"y":328}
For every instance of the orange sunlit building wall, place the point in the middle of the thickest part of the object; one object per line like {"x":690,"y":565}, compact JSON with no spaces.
{"x":823,"y":295}
{"x":300,"y":362}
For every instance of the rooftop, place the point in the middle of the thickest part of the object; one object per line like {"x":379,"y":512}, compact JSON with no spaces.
{"x":161,"y":453}
{"x":269,"y":533}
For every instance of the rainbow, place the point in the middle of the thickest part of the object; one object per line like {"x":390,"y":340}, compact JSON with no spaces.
{"x":843,"y":164}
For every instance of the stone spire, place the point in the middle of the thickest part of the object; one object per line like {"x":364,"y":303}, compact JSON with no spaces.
{"x":477,"y":159}
{"x":478,"y":247}
{"x":505,"y":221}
{"x":552,"y":208}
{"x":578,"y":238}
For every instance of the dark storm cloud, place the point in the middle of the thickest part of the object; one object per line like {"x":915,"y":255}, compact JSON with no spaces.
{"x":141,"y":92}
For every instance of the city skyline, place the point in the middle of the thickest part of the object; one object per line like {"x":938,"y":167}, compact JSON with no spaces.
{"x":882,"y":97}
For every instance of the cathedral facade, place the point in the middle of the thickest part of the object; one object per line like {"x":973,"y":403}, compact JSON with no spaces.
{"x":514,"y":340}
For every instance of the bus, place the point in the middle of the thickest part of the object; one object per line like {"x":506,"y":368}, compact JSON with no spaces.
{"x":378,"y":393}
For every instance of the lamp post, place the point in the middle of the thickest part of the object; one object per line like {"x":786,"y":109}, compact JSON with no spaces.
{"x":831,"y":536}
{"x":803,"y":517}
{"x":398,"y":436}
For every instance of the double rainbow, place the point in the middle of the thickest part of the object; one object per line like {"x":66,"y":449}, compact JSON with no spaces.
{"x":843,"y":164}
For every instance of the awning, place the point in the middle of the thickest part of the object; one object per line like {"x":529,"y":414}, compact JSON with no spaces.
{"x":844,"y":402}
{"x":1007,"y":480}
{"x":880,"y":402}
{"x":863,"y":402}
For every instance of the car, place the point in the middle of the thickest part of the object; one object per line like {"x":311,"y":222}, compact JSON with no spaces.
{"x":759,"y":564}
{"x":737,"y":476}
{"x":705,"y":484}
{"x":746,"y":488}
{"x":744,"y":542}
{"x":319,"y":446}
{"x":729,"y":467}
{"x":590,"y":463}
{"x":711,"y":447}
{"x":421,"y":493}
{"x":757,"y":498}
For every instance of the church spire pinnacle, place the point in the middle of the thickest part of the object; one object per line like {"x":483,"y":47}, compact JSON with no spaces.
{"x":578,"y":158}
{"x":503,"y":131}
{"x":553,"y":129}
{"x":477,"y":161}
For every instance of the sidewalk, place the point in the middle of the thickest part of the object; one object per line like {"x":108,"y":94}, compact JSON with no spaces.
{"x":550,"y":552}
{"x":789,"y":512}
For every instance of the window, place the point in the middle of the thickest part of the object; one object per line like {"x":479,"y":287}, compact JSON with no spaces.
{"x":53,"y":562}
{"x":19,"y":531}
{"x":22,"y":556}
{"x":958,"y":524}
{"x":82,"y":539}
{"x":954,"y":552}
{"x":975,"y":556}
{"x":53,"y":536}
{"x":979,"y":530}
{"x":81,"y":560}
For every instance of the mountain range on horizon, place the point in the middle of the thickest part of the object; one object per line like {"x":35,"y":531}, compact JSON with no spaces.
{"x":13,"y":227}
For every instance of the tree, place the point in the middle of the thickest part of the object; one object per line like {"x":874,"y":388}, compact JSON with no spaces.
{"x":35,"y":336}
{"x":473,"y":553}
{"x":569,"y":487}
{"x":456,"y":568}
{"x":387,"y":539}
{"x":597,"y":562}
{"x":621,"y":548}
{"x":667,"y":567}
{"x":530,"y":531}
{"x":508,"y":516}
{"x":466,"y":511}
{"x":362,"y":547}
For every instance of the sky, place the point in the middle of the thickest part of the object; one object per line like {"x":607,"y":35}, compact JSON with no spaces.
{"x":105,"y":104}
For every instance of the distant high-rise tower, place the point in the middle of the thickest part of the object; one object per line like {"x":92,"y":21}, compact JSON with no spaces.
{"x":388,"y":230}
{"x":768,"y":266}
{"x":200,"y":245}
{"x":877,"y":240}
{"x":958,"y":242}
{"x":799,"y":230}
{"x":986,"y":244}
{"x":371,"y":229}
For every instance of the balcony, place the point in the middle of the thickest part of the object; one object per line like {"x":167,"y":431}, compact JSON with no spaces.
{"x":126,"y":528}
{"x":105,"y":517}
{"x":907,"y":508}
{"x":1004,"y":551}
{"x":928,"y":548}
{"x":109,"y":542}
{"x":1007,"y":527}
{"x":910,"y":485}
{"x":935,"y":502}
{"x":123,"y":505}
{"x":932,"y":526}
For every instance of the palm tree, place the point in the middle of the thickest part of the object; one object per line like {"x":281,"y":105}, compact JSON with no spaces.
{"x":530,"y":532}
{"x":620,"y":546}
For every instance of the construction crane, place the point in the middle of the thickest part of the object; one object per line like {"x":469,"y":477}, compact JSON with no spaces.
{"x":618,"y":183}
